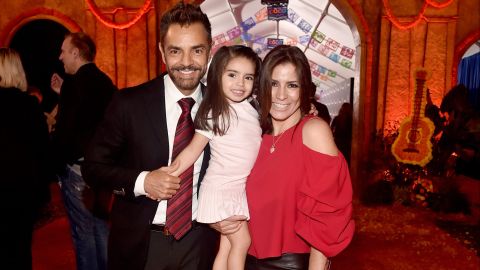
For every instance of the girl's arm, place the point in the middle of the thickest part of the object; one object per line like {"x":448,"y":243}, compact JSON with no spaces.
{"x":317,"y":261}
{"x":188,"y":156}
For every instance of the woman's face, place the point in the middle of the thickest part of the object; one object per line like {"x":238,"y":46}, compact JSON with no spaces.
{"x":285,"y":94}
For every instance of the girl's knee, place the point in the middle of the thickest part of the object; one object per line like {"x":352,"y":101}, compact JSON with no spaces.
{"x":241,"y":240}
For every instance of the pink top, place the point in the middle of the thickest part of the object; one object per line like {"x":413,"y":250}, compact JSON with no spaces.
{"x":298,"y":198}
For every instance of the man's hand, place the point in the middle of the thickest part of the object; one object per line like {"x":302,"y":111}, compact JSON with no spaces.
{"x":159,"y":185}
{"x":229,"y":225}
{"x":56,"y":83}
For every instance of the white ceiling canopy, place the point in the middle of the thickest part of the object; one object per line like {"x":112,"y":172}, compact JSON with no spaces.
{"x":331,"y":50}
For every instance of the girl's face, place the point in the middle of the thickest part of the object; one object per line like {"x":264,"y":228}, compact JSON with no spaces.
{"x":238,"y":78}
{"x":285,"y":94}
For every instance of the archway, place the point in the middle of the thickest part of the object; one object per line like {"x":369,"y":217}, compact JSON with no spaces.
{"x":245,"y":22}
{"x":39,"y":42}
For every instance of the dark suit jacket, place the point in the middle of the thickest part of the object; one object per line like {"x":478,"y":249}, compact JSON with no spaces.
{"x":133,"y":138}
{"x":83,"y":99}
{"x":23,"y":157}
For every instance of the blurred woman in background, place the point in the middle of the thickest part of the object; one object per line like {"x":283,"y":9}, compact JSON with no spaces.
{"x":23,"y":167}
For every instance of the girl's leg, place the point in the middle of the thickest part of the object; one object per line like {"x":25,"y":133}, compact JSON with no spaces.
{"x":221,"y":260}
{"x":239,"y":242}
{"x":233,"y":250}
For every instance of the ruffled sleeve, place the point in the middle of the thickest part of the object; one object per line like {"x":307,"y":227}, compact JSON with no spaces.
{"x":324,"y":203}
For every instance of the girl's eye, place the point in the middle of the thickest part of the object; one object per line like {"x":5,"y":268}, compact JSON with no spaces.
{"x":250,"y":78}
{"x":231,"y":74}
{"x":274,"y":84}
{"x":292,"y":85}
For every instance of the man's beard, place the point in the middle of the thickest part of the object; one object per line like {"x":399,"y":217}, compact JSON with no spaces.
{"x":186,"y":84}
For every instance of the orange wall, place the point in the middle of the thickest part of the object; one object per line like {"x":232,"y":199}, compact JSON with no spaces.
{"x":431,"y":44}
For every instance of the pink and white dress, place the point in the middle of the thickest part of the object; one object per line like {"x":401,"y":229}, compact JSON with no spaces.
{"x":222,"y":192}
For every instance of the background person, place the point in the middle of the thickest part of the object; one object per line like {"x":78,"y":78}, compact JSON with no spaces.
{"x":23,"y":162}
{"x":342,"y":129}
{"x":84,"y":95}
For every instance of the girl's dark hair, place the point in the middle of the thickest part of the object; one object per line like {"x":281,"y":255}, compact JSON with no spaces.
{"x":215,"y":105}
{"x":279,"y":55}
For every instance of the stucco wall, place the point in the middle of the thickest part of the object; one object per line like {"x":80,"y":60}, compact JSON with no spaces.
{"x":128,"y":56}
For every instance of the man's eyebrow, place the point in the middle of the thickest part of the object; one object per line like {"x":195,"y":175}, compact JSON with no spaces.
{"x":179,"y":48}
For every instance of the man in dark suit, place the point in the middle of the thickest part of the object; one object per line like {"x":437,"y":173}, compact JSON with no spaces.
{"x":137,"y":138}
{"x":84,"y":96}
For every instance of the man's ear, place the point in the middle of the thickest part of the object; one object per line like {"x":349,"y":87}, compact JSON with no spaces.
{"x":160,"y":47}
{"x":76,"y":52}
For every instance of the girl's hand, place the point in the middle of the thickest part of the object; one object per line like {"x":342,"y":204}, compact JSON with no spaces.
{"x":172,"y":169}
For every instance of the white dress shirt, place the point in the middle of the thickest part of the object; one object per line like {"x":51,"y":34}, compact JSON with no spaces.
{"x":173,"y":111}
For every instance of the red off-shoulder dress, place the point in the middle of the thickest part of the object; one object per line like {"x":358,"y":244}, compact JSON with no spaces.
{"x":298,"y":198}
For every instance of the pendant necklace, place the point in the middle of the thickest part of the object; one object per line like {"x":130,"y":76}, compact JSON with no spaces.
{"x":274,"y":142}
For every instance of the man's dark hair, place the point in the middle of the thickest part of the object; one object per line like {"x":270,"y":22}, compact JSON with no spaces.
{"x":85,"y":45}
{"x":185,"y":15}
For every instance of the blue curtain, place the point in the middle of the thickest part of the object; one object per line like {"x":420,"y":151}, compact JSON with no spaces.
{"x":469,"y":75}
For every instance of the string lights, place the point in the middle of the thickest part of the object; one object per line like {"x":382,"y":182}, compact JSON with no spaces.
{"x":434,"y":4}
{"x":98,"y":14}
{"x":418,"y":18}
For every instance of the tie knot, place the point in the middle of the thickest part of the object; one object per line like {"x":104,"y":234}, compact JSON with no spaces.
{"x":186,"y":104}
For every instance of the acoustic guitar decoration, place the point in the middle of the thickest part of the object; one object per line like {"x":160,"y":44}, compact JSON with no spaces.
{"x":413,"y":146}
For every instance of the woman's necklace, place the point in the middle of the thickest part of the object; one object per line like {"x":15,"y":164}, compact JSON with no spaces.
{"x":274,"y":142}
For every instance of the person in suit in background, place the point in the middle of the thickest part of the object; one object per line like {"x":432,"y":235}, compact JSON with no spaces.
{"x":323,"y":111}
{"x":137,"y":137}
{"x":342,"y":130}
{"x":23,"y":162}
{"x":84,"y":96}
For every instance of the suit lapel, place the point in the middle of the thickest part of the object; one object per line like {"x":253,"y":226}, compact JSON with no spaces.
{"x":155,"y":107}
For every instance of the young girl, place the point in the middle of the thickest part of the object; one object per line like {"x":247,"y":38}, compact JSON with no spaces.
{"x":230,"y":124}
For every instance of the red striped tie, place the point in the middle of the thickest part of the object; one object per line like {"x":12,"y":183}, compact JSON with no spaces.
{"x":179,"y":208}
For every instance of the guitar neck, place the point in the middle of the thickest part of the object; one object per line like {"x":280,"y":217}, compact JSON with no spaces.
{"x":419,"y":97}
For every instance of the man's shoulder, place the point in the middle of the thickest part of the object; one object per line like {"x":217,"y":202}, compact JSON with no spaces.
{"x":151,"y":87}
{"x":91,"y":73}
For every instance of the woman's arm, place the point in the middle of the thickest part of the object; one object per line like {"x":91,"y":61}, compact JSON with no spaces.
{"x":317,"y":136}
{"x":188,"y":156}
{"x":317,"y":261}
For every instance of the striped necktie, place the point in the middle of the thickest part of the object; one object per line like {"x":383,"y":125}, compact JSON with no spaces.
{"x":179,"y":207}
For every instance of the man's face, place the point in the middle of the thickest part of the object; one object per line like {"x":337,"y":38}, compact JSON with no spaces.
{"x":68,"y":56}
{"x":185,"y":51}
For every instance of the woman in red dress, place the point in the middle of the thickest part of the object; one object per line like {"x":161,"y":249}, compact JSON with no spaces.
{"x":299,"y":190}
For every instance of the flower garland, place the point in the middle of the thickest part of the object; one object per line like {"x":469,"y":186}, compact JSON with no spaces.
{"x":420,"y":16}
{"x":98,"y":14}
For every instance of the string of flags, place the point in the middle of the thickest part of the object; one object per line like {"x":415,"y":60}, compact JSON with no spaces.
{"x":324,"y":45}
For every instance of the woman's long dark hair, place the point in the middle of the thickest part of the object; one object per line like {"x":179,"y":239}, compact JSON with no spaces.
{"x":215,"y":105}
{"x":279,"y":55}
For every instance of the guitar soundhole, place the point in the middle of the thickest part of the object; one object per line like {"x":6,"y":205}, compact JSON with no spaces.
{"x":414,"y":136}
